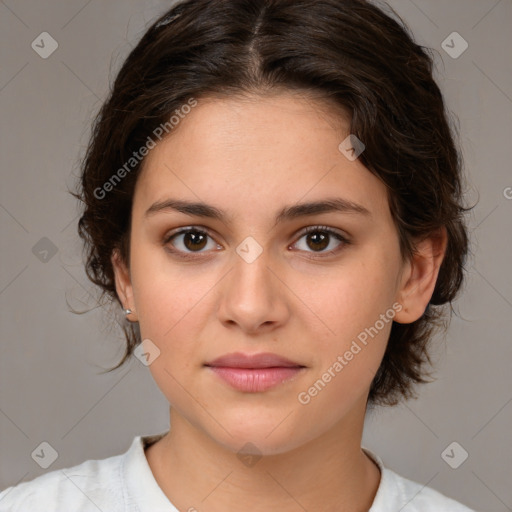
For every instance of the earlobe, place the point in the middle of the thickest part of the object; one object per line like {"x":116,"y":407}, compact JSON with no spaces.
{"x":123,"y":281}
{"x":419,"y":281}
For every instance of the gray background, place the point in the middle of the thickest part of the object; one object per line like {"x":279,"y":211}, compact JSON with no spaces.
{"x":50,"y":359}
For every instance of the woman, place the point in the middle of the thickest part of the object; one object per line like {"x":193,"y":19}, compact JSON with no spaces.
{"x":272,"y":194}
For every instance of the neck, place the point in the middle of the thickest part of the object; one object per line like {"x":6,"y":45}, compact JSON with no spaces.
{"x":329,"y":473}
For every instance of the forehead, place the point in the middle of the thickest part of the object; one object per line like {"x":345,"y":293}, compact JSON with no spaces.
{"x":255,"y":152}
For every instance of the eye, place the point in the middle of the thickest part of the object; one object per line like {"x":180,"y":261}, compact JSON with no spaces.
{"x":320,"y":238}
{"x":189,"y":240}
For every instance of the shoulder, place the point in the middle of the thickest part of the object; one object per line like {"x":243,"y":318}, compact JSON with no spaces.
{"x":89,"y":486}
{"x":419,"y":498}
{"x":396,"y":492}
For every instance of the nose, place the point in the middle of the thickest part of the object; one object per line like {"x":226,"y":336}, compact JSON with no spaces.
{"x":253,"y":296}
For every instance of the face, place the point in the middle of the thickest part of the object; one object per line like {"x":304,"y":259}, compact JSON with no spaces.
{"x":257,"y":278}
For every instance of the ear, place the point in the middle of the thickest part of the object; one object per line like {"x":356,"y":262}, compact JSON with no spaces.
{"x":123,"y":282}
{"x":419,"y":276}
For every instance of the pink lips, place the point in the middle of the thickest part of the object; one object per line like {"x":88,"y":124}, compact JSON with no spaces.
{"x":254,"y":373}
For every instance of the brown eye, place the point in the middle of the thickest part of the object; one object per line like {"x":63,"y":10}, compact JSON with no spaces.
{"x":188,"y":240}
{"x":194,"y":241}
{"x":320,"y":238}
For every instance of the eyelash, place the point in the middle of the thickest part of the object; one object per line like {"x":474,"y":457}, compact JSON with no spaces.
{"x":310,"y":229}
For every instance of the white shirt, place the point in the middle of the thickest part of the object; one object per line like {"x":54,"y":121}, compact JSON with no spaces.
{"x":125,"y":483}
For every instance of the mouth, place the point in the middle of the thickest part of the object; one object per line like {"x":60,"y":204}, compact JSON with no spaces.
{"x":253,"y":361}
{"x":254,"y":373}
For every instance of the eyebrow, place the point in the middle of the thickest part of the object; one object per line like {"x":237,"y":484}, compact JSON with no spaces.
{"x":199,"y":209}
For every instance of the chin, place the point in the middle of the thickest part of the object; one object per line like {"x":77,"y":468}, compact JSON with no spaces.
{"x":259,"y":445}
{"x":262,"y":437}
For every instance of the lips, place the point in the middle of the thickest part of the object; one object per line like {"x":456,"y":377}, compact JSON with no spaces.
{"x":261,"y":360}
{"x":254,"y":373}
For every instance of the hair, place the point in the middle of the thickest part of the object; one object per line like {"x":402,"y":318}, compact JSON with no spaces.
{"x":350,"y":53}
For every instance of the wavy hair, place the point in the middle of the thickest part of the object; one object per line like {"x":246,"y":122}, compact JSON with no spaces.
{"x":351,"y":53}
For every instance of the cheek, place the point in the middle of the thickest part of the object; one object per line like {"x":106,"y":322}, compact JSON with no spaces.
{"x":174,"y":306}
{"x":356,"y":308}
{"x":168,"y":295}
{"x":346,"y":362}
{"x":353,"y":298}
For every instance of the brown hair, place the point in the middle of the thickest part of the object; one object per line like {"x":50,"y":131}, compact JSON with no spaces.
{"x":349,"y":52}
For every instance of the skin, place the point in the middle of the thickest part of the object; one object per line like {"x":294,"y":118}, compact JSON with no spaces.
{"x":250,"y":157}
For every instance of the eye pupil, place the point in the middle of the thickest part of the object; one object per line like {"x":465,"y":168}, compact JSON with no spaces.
{"x":318,"y":238}
{"x":197,"y":240}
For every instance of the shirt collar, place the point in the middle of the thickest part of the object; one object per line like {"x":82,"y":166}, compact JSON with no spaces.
{"x":389,"y":495}
{"x":141,"y":489}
